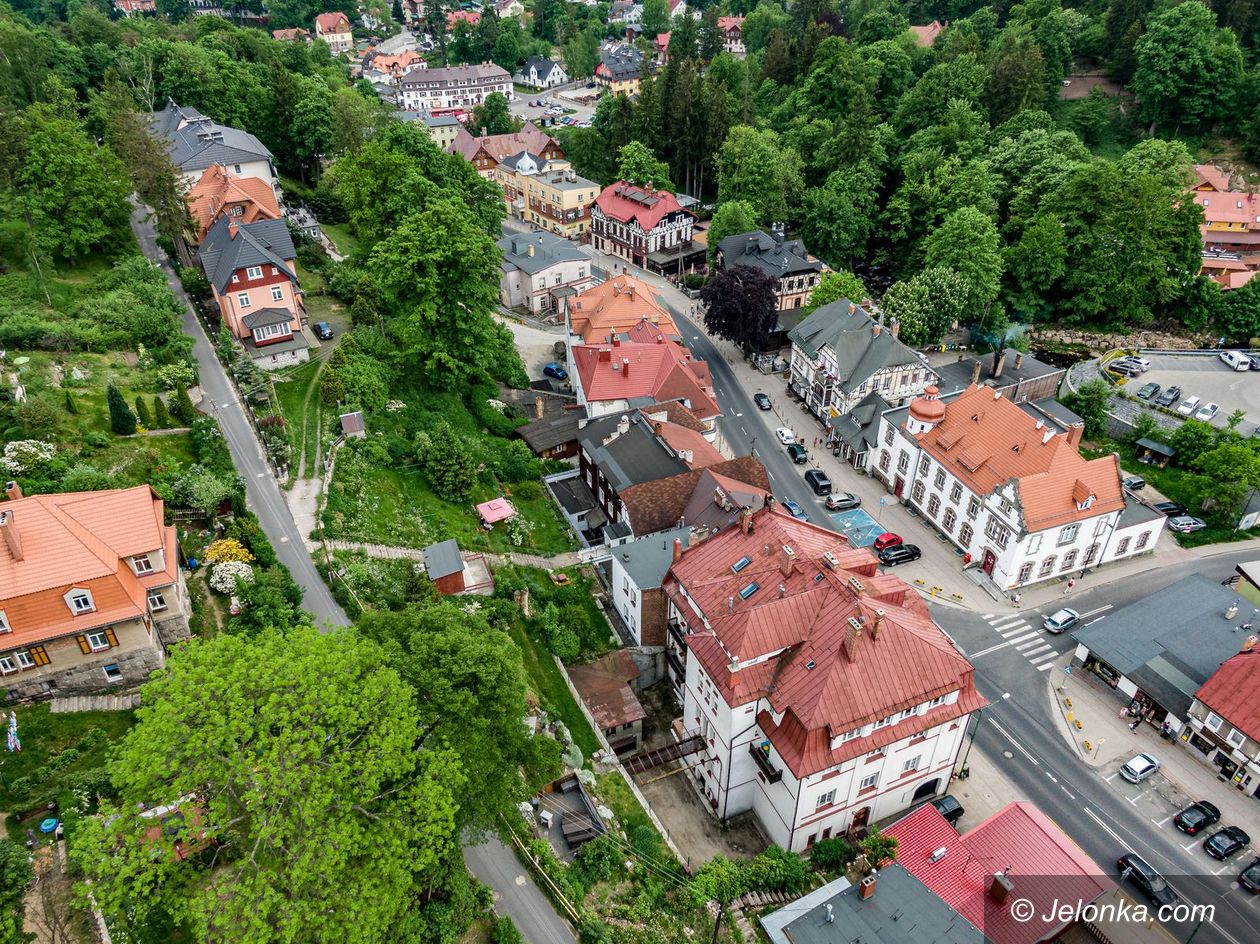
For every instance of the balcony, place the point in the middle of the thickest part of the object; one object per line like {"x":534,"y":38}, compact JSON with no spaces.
{"x":762,"y":758}
{"x":676,"y":631}
{"x":676,"y":665}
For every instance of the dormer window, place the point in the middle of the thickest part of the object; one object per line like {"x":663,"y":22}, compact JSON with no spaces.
{"x":142,"y":564}
{"x":4,"y":623}
{"x":80,"y":601}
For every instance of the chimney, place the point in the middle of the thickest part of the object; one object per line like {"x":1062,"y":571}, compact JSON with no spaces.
{"x":1019,"y":359}
{"x":745,"y":521}
{"x":677,"y":550}
{"x":12,"y":490}
{"x":879,"y":624}
{"x":529,"y":250}
{"x":851,"y":639}
{"x":787,"y":560}
{"x":895,"y":327}
{"x":12,"y":537}
{"x":232,"y":228}
{"x":625,"y":367}
{"x":538,"y":407}
{"x":876,"y":328}
{"x":867,"y":886}
{"x":782,"y":590}
{"x":730,"y":604}
{"x":999,"y":361}
{"x":1000,"y":889}
{"x":975,"y":373}
{"x":1074,"y":434}
{"x":616,"y":340}
{"x":605,"y":354}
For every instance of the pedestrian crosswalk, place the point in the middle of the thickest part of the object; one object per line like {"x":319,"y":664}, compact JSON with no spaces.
{"x":1028,"y":640}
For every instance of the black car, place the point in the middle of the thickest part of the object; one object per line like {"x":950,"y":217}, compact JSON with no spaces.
{"x":1254,"y":363}
{"x":323,"y":330}
{"x":899,"y":554}
{"x":762,"y":401}
{"x":1223,"y":844}
{"x":1171,"y":509}
{"x":949,"y":808}
{"x":1249,"y":878}
{"x":1197,"y":816}
{"x":818,"y":481}
{"x":796,"y":452}
{"x":1148,"y":391}
{"x":1146,"y":878}
{"x":1170,"y":396}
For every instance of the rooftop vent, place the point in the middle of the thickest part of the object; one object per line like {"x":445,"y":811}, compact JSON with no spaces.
{"x":857,"y":585}
{"x":811,"y":664}
{"x":937,"y":855}
{"x":831,"y":560}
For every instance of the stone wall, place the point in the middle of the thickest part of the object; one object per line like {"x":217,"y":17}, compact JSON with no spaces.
{"x":89,"y":677}
{"x":1100,"y":343}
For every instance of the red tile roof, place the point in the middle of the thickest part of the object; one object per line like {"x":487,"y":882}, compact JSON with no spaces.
{"x":1231,"y":692}
{"x":688,"y":442}
{"x":1040,"y":860}
{"x":661,"y":371}
{"x":80,"y":539}
{"x":831,"y":627}
{"x":726,"y":23}
{"x":326,"y":23}
{"x":628,"y":203}
{"x":987,"y":441}
{"x":471,"y":17}
{"x":1210,"y":177}
{"x":499,"y":146}
{"x":926,"y":35}
{"x":218,"y":190}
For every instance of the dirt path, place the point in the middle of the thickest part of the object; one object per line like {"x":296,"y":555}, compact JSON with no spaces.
{"x":310,"y":414}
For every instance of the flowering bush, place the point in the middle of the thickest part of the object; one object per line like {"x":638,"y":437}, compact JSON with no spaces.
{"x":26,"y":455}
{"x":228,"y":549}
{"x":172,"y":375}
{"x":224,"y":576}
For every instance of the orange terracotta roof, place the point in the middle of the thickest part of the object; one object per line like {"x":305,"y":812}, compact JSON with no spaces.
{"x":660,"y":371}
{"x":1228,"y":281}
{"x":688,"y":442}
{"x":926,"y":35}
{"x":1231,"y":692}
{"x":987,"y":441}
{"x":1210,"y":177}
{"x":332,"y":23}
{"x":822,"y":668}
{"x":395,"y":64}
{"x":218,"y":189}
{"x":618,"y":307}
{"x":1229,"y":206}
{"x":80,"y":539}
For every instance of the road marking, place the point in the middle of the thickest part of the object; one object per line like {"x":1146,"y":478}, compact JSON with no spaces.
{"x":1006,"y":622}
{"x":1051,"y":655}
{"x":1023,"y":637}
{"x":1111,"y":778}
{"x":1052,"y":777}
{"x":1190,"y":845}
{"x":1019,"y":747}
{"x":1044,"y":647}
{"x":1134,"y":800}
{"x":1015,"y":630}
{"x":284,"y":540}
{"x":1105,"y":828}
{"x":987,"y":616}
{"x":1093,"y":621}
{"x":1160,"y":822}
{"x":1221,"y":869}
{"x":1101,"y":609}
{"x":985,"y":652}
{"x":1067,"y":791}
{"x":1046,"y":667}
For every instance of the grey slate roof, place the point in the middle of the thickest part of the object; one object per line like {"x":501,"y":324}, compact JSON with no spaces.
{"x":202,"y":142}
{"x":264,"y":317}
{"x":631,"y":458}
{"x":574,"y":495}
{"x":772,"y":255}
{"x":622,"y":61}
{"x":266,"y":242}
{"x":957,"y":376}
{"x":848,"y":330}
{"x":901,"y":911}
{"x":1173,"y":640}
{"x":549,"y":249}
{"x":551,"y":431}
{"x":1135,"y":512}
{"x":544,"y":67}
{"x":860,"y":426}
{"x":442,"y":559}
{"x":297,"y":342}
{"x":1052,"y":411}
{"x":647,"y":559}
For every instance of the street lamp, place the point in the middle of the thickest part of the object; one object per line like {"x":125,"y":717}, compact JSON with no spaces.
{"x":963,"y":773}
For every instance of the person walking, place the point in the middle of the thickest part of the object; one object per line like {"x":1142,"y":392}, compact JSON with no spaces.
{"x":1071,"y":585}
{"x":1015,"y":598}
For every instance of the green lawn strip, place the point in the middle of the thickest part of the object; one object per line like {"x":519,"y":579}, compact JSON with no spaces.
{"x":298,"y":396}
{"x":34,"y":776}
{"x":342,"y":238}
{"x":545,"y":679}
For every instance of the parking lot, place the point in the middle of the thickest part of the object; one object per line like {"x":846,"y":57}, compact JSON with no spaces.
{"x":1205,"y":376}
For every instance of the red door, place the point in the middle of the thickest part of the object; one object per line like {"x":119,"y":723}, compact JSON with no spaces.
{"x":899,"y":486}
{"x":989,"y":560}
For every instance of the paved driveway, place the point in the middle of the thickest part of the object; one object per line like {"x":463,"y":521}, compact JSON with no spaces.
{"x":1206,"y":377}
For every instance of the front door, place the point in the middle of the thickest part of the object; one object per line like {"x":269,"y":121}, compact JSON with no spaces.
{"x":860,"y":819}
{"x":926,"y":790}
{"x":990,"y":559}
{"x":899,"y":486}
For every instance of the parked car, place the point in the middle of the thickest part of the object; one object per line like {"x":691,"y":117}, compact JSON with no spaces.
{"x":818,"y":481}
{"x":1134,"y":483}
{"x":1235,"y":360}
{"x":1188,"y":406}
{"x":1154,"y":886}
{"x":899,"y":554}
{"x":1170,"y":396}
{"x":1226,"y":842}
{"x":1253,"y":363}
{"x":762,"y":401}
{"x":1125,"y":369}
{"x":1139,"y":768}
{"x":323,"y":330}
{"x":842,"y":501}
{"x":1249,"y":878}
{"x":886,"y":540}
{"x":1148,"y":391}
{"x":1171,"y":509}
{"x":1206,"y":412}
{"x":556,"y":371}
{"x":796,"y":510}
{"x":1060,"y":621}
{"x":949,"y":808}
{"x":796,"y":452}
{"x":1141,"y":363}
{"x":1184,"y":524}
{"x":786,"y":436}
{"x":1197,"y":816}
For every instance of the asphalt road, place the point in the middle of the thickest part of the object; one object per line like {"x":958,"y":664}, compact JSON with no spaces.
{"x":261,"y":490}
{"x":516,"y":895}
{"x":1020,"y":734}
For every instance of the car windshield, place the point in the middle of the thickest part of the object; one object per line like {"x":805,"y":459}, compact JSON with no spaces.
{"x":1158,"y":884}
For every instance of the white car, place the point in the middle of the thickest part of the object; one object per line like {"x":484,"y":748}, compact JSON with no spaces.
{"x":1139,"y":768}
{"x":786,"y":436}
{"x":1207,"y":411}
{"x":1187,"y":406}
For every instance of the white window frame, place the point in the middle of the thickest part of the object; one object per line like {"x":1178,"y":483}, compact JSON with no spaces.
{"x":825,"y":799}
{"x":97,"y":634}
{"x":912,"y":764}
{"x":4,"y":623}
{"x":277,"y":293}
{"x":1230,"y":738}
{"x":156,"y":594}
{"x":242,"y":300}
{"x":1213,"y":721}
{"x":1067,"y":534}
{"x":7,"y":665}
{"x":72,"y":601}
{"x":24,"y":659}
{"x":869,"y":781}
{"x":116,"y":668}
{"x":142,"y":564}
{"x":253,"y":272}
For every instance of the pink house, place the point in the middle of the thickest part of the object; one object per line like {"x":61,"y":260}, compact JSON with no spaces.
{"x":250,"y":267}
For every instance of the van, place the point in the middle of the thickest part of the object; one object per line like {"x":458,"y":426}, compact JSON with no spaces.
{"x":818,"y":481}
{"x":1236,"y":360}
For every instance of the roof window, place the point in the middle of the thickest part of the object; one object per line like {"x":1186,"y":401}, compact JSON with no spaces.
{"x":741,"y":564}
{"x":810,"y":664}
{"x":746,"y":591}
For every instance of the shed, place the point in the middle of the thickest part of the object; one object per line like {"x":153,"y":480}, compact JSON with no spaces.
{"x":1153,"y":453}
{"x":352,"y":424}
{"x":445,"y":566}
{"x":495,"y":510}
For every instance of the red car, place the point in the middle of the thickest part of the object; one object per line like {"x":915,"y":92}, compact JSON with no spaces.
{"x":886,"y":540}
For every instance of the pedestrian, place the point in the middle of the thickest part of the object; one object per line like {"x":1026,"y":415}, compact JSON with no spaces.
{"x":1015,"y":598}
{"x":1134,"y":726}
{"x":1071,"y":585}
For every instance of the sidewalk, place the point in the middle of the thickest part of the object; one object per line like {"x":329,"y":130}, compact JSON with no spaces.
{"x":1112,"y":743}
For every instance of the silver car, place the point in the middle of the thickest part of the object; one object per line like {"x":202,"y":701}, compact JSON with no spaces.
{"x":1139,"y":768}
{"x":1061,"y":620}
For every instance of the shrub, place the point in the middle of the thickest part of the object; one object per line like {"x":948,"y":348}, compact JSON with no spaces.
{"x":121,"y":420}
{"x":597,"y":861}
{"x":195,"y":284}
{"x":227,"y":549}
{"x":161,"y":416}
{"x":878,"y":847}
{"x":27,"y":455}
{"x":224,"y":577}
{"x":833,"y":853}
{"x":181,"y":406}
{"x":71,"y":407}
{"x":449,"y":465}
{"x":171,"y":375}
{"x":142,"y":413}
{"x":245,"y":529}
{"x":778,"y":870}
{"x":504,"y":931}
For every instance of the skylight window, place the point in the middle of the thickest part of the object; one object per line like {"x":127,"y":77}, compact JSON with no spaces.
{"x":818,"y":576}
{"x":747,"y":591}
{"x":741,"y":564}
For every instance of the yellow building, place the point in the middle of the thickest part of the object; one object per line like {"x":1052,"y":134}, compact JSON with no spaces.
{"x":548,"y":194}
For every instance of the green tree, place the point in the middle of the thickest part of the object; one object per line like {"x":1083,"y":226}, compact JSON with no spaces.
{"x":878,"y":848}
{"x":181,"y":406}
{"x":835,"y":286}
{"x":1230,"y":462}
{"x":638,"y":165}
{"x":330,"y":809}
{"x":493,"y":117}
{"x":927,"y":305}
{"x":719,"y":880}
{"x":754,"y":167}
{"x":655,"y":17}
{"x":1090,"y":403}
{"x":449,"y":465}
{"x":142,"y":413}
{"x":16,"y":876}
{"x":121,"y":420}
{"x":730,"y":219}
{"x":840,"y":215}
{"x":1192,"y":439}
{"x":161,"y":416}
{"x":968,"y":243}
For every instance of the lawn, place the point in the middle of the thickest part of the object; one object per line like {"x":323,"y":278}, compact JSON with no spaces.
{"x":341,"y":237}
{"x":299,"y":400}
{"x":319,"y":305}
{"x":58,"y":752}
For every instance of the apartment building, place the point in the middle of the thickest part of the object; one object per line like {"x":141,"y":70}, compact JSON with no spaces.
{"x":334,"y":29}
{"x":454,"y":87}
{"x":646,"y":227}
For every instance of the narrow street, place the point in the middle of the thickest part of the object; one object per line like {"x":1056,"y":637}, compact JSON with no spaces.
{"x":261,"y":490}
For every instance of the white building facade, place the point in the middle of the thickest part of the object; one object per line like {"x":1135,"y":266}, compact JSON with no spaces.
{"x":454,"y":87}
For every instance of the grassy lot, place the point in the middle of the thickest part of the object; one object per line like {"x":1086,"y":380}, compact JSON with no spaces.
{"x":341,"y":237}
{"x":320,"y":306}
{"x":299,"y":401}
{"x":57,"y":752}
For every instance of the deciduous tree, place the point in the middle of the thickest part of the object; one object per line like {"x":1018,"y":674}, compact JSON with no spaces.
{"x":638,"y":165}
{"x":835,"y":286}
{"x":493,"y":117}
{"x":730,"y":219}
{"x":740,"y":306}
